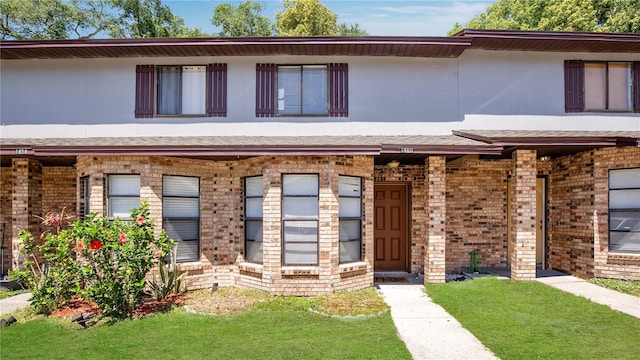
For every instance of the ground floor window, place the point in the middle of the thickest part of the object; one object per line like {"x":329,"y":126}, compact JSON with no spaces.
{"x":123,"y":194}
{"x":350,"y":212}
{"x":253,"y":200}
{"x":300,"y":208}
{"x":624,"y":210}
{"x":181,"y":214}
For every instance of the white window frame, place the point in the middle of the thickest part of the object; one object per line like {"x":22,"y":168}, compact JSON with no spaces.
{"x":258,"y":220}
{"x":310,"y":217}
{"x":343,"y":197}
{"x":283,"y":95}
{"x":181,"y":93}
{"x":167,"y":219}
{"x":624,"y":212}
{"x":114,"y":197}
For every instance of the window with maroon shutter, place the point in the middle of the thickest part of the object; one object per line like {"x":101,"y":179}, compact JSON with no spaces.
{"x":338,"y":90}
{"x":144,"y":91}
{"x":181,"y":90}
{"x":601,"y":86}
{"x":217,"y":90}
{"x":265,"y":85}
{"x":302,"y":90}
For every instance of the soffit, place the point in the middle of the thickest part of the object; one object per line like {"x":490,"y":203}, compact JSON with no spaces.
{"x":235,"y":46}
{"x":553,"y":41}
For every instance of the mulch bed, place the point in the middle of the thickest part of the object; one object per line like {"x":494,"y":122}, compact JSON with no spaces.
{"x":148,"y":307}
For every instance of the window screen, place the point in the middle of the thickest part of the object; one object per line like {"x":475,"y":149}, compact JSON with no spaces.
{"x":181,"y":214}
{"x":300,"y":219}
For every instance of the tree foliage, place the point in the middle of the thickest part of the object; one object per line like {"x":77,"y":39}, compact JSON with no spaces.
{"x":148,"y":19}
{"x":64,"y":19}
{"x":53,"y":19}
{"x":311,"y":17}
{"x":244,"y":20}
{"x":559,"y":15}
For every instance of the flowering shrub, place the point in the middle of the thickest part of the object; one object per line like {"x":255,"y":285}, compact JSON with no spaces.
{"x":52,"y":273}
{"x":116,"y":256}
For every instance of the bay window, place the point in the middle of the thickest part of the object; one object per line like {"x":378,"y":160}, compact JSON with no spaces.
{"x":123,"y":194}
{"x":181,"y":214}
{"x":300,"y":211}
{"x":253,"y":200}
{"x":350,"y":213}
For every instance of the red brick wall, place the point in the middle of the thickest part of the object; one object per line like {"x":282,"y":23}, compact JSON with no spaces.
{"x":570,"y":222}
{"x":477,"y":213}
{"x":59,"y":189}
{"x":578,"y":232}
{"x":606,"y":264}
{"x":6,"y":185}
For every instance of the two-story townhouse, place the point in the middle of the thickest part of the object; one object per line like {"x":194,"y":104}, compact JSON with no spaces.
{"x":303,"y":165}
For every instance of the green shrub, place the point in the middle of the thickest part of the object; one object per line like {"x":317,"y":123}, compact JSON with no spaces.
{"x":51,"y":271}
{"x":169,"y":281}
{"x":117,"y":255}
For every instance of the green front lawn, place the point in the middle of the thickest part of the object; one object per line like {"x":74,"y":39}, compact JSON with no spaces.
{"x":530,"y":320}
{"x":631,"y":287}
{"x":283,"y":328}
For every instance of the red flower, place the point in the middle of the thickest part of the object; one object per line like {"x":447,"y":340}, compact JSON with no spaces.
{"x":95,"y":245}
{"x":80,"y":245}
{"x":122,"y":238}
{"x":140,"y":219}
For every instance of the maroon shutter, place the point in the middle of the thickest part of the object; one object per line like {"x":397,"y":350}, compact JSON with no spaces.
{"x":338,"y":90}
{"x":217,"y":90}
{"x":636,"y":86}
{"x":573,"y":86}
{"x":144,"y":91}
{"x":265,"y":86}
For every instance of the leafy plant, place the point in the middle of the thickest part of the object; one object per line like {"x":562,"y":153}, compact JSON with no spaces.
{"x":51,"y":271}
{"x":117,"y":256}
{"x":170,"y":280}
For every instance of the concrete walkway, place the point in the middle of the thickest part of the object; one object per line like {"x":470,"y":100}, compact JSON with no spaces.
{"x":579,"y":287}
{"x":11,"y":304}
{"x":426,"y":328}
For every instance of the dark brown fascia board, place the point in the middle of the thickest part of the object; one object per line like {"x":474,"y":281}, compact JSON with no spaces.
{"x":221,"y":41}
{"x":334,"y":46}
{"x":442,"y":149}
{"x":547,"y":35}
{"x":188,"y":151}
{"x":551,"y":140}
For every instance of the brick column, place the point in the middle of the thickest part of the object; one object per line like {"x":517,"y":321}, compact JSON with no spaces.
{"x":434,"y":261}
{"x":523,"y":215}
{"x":26,"y":202}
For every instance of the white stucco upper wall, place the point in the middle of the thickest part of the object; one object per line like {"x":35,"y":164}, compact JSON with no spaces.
{"x":387,"y":95}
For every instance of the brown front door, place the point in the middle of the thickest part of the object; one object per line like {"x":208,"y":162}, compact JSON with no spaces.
{"x":390,"y":227}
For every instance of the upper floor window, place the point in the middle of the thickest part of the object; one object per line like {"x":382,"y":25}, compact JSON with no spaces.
{"x":123,"y":194}
{"x":181,"y":90}
{"x":602,"y":86}
{"x":624,"y":210}
{"x":300,"y":208}
{"x":302,"y":90}
{"x":177,"y":90}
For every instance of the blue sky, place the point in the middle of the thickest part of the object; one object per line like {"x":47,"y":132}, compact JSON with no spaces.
{"x":377,"y":17}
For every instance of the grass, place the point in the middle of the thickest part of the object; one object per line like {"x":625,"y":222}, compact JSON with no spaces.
{"x":631,"y":287}
{"x":530,"y":320}
{"x":5,"y":293}
{"x":279,"y":328}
